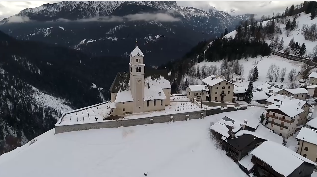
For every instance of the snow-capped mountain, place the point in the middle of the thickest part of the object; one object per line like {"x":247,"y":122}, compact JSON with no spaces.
{"x":112,"y":27}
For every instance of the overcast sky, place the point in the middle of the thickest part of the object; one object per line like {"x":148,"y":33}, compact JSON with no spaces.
{"x":8,"y":8}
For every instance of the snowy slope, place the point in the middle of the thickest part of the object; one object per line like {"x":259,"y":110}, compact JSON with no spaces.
{"x":171,"y":149}
{"x":303,"y":19}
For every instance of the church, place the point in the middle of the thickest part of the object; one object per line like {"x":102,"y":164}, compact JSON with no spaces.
{"x":141,"y":89}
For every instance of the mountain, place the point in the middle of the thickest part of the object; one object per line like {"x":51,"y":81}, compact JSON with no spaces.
{"x":40,"y":81}
{"x":164,"y":30}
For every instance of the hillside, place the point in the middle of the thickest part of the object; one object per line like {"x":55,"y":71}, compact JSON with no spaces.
{"x":164,"y":30}
{"x":169,"y":149}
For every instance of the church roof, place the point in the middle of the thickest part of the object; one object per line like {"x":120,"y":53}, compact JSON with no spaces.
{"x":121,"y":81}
{"x":137,"y":52}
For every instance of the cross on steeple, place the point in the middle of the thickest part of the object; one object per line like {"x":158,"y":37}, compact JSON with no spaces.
{"x":136,"y":42}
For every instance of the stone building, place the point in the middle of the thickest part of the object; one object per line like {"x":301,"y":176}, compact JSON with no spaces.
{"x":298,"y":93}
{"x":199,"y":92}
{"x":313,"y":78}
{"x":220,"y":90}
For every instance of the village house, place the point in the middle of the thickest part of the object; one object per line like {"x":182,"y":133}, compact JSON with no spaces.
{"x":199,"y":92}
{"x":307,"y":143}
{"x":243,"y":142}
{"x":298,"y":93}
{"x":312,"y":124}
{"x":141,"y":89}
{"x":313,"y":78}
{"x":312,"y":90}
{"x":220,"y":90}
{"x":275,"y":160}
{"x":260,"y":97}
{"x":239,"y":93}
{"x":284,"y":114}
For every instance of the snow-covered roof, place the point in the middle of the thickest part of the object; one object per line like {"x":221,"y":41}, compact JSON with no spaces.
{"x":221,"y":126}
{"x":196,"y":88}
{"x":311,"y":86}
{"x":289,"y":106}
{"x":212,"y":80}
{"x":239,"y":90}
{"x":124,"y":96}
{"x":261,"y":95}
{"x":313,"y":75}
{"x":87,"y":114}
{"x":246,"y":162}
{"x":153,"y":93}
{"x":297,"y":90}
{"x":136,"y":52}
{"x":308,"y":135}
{"x":282,"y":159}
{"x":312,"y":123}
{"x":158,"y":82}
{"x":243,"y":132}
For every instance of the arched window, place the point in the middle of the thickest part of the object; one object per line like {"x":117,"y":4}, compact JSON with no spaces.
{"x":138,"y":69}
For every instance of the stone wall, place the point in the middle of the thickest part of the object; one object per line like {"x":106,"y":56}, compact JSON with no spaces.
{"x":145,"y":121}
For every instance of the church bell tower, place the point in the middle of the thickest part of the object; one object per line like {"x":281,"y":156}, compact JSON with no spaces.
{"x":137,"y":79}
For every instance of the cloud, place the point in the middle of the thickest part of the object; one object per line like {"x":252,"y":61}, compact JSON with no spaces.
{"x":159,"y":17}
{"x":18,"y":19}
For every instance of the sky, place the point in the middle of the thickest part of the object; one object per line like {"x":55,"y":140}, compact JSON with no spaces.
{"x":9,"y":8}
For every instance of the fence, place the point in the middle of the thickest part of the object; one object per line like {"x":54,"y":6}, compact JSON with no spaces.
{"x":144,"y":121}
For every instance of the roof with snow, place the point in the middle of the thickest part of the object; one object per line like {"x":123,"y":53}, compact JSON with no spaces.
{"x":136,"y":52}
{"x":121,"y":81}
{"x":308,"y":135}
{"x":90,"y":114}
{"x":312,"y":123}
{"x":212,"y":80}
{"x":154,"y":93}
{"x":313,"y":75}
{"x":246,"y":162}
{"x":124,"y":96}
{"x":242,"y":141}
{"x":222,"y":126}
{"x":282,"y":159}
{"x":296,"y":90}
{"x":311,"y":86}
{"x":261,"y":95}
{"x":196,"y":88}
{"x":239,"y":89}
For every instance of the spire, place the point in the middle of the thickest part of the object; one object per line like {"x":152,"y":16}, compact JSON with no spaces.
{"x":136,"y":42}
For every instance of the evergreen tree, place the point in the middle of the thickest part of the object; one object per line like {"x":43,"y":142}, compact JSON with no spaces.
{"x":288,"y":25}
{"x":226,"y":32}
{"x":255,"y":75}
{"x":249,"y":94}
{"x":293,"y":25}
{"x":281,"y":45}
{"x":302,"y":50}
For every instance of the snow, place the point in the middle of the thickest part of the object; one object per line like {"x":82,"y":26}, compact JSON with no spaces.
{"x":124,"y":96}
{"x":158,"y":82}
{"x":154,"y":93}
{"x":290,"y":108}
{"x":87,"y":114}
{"x":308,"y":135}
{"x":312,"y":123}
{"x":297,"y":90}
{"x":243,"y":132}
{"x":172,"y":149}
{"x":282,"y":159}
{"x":196,"y":88}
{"x":311,"y":86}
{"x":50,"y":101}
{"x":261,"y":95}
{"x":246,"y":162}
{"x":61,"y":28}
{"x":239,"y":90}
{"x":179,"y":98}
{"x":313,"y":75}
{"x":136,"y":52}
{"x":212,"y":81}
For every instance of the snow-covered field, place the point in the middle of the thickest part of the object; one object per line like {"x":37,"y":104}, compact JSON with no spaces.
{"x":171,"y":149}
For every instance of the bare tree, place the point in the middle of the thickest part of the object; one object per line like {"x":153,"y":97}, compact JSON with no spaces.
{"x":283,"y":72}
{"x":291,"y":75}
{"x":305,"y":69}
{"x":314,"y":54}
{"x":276,"y":72}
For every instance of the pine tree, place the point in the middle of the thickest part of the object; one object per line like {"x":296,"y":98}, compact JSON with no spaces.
{"x":288,"y":24}
{"x":249,"y":94}
{"x":255,"y":75}
{"x":226,"y":32}
{"x":281,"y":45}
{"x":293,"y":25}
{"x":302,"y":50}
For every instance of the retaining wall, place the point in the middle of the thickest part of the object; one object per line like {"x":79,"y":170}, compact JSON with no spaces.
{"x":145,"y":121}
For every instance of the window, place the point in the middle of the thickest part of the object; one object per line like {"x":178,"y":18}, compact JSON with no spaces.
{"x":215,"y":92}
{"x":304,"y":155}
{"x":219,"y":83}
{"x":228,"y":87}
{"x":223,"y":87}
{"x":122,"y":102}
{"x":216,"y":98}
{"x":306,"y":148}
{"x":273,"y":114}
{"x":161,"y":102}
{"x":138,"y":69}
{"x":227,"y":83}
{"x":154,"y":102}
{"x":148,"y":103}
{"x":228,"y":92}
{"x":137,"y":60}
{"x":196,"y":94}
{"x":131,"y":69}
{"x":188,"y":93}
{"x":123,"y":109}
{"x":217,"y":88}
